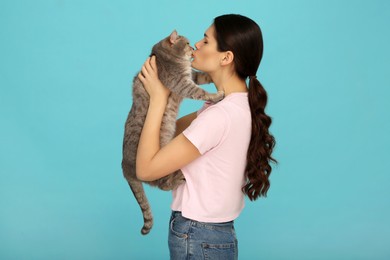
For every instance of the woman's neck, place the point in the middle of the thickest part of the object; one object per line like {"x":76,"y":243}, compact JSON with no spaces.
{"x":229,"y":83}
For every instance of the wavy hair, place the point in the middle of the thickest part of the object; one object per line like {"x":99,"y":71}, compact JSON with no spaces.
{"x":243,"y":37}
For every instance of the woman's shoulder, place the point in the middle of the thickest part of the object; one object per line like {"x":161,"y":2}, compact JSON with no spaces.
{"x":235,"y":102}
{"x":213,"y":111}
{"x":233,"y":105}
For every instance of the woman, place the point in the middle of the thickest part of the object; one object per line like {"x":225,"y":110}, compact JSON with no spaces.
{"x":224,"y":149}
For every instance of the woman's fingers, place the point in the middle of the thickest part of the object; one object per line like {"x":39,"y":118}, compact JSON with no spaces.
{"x":153,"y":63}
{"x":148,"y":69}
{"x":141,"y":77}
{"x":144,"y":72}
{"x":147,"y":65}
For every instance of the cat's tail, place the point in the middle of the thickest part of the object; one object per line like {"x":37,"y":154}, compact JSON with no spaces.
{"x":139,"y":194}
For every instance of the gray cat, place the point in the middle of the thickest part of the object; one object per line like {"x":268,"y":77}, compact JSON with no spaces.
{"x":173,"y":58}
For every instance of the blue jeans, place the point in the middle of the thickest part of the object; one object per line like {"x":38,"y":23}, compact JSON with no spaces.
{"x":190,"y":239}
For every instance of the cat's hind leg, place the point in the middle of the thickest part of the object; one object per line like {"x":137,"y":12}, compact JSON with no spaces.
{"x":171,"y":181}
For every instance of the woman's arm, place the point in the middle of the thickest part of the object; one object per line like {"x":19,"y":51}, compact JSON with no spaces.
{"x":153,"y":162}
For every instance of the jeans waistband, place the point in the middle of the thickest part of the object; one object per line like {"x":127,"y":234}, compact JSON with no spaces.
{"x":224,"y":226}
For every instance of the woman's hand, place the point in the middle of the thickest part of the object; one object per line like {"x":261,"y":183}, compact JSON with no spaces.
{"x":151,"y":82}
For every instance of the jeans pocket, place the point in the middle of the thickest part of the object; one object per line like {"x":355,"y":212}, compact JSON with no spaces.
{"x":179,"y":228}
{"x":225,"y":251}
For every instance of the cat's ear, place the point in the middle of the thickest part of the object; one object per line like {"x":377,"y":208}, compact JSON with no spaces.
{"x":173,"y":37}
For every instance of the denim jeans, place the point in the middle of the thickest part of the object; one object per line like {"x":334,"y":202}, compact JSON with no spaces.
{"x":189,"y":239}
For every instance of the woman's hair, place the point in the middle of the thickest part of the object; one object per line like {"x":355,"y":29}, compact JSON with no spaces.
{"x":243,"y":37}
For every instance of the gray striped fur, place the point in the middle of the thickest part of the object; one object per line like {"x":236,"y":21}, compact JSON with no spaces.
{"x":175,"y":72}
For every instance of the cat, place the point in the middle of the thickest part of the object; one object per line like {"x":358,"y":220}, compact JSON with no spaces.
{"x":173,"y":59}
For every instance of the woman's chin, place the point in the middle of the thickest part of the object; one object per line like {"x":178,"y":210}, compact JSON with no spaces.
{"x":193,"y":65}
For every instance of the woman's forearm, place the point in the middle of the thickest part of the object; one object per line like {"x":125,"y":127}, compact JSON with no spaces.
{"x":149,"y":143}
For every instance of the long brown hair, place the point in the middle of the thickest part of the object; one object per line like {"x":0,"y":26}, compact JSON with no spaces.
{"x":243,"y":37}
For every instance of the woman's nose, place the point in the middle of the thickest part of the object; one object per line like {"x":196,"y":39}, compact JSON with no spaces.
{"x":197,"y":45}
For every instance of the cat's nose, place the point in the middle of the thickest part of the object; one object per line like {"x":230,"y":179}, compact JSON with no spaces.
{"x":192,"y":48}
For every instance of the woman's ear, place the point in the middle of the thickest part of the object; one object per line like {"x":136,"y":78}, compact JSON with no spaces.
{"x":227,"y":58}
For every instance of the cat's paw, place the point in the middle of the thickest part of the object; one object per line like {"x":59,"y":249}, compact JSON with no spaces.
{"x":215,"y":97}
{"x":201,"y":78}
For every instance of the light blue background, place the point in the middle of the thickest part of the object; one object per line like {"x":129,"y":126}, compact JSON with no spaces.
{"x":65,"y":90}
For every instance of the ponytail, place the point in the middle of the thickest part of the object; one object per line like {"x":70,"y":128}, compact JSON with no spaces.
{"x":243,"y":37}
{"x":258,"y":168}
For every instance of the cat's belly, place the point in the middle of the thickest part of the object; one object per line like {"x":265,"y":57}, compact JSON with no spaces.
{"x":136,"y":120}
{"x":168,"y":125}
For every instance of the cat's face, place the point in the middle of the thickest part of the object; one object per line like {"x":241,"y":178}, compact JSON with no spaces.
{"x":178,"y":45}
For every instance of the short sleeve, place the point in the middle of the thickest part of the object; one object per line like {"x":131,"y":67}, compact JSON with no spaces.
{"x":208,"y":129}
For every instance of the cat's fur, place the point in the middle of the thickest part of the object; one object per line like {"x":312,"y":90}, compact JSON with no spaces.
{"x":173,"y":58}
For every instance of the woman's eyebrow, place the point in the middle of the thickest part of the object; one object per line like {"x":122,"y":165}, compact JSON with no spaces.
{"x":205,"y":35}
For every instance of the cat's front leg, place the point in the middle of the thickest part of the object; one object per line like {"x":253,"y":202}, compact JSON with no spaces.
{"x":188,"y":89}
{"x":201,"y":78}
{"x":214,"y":97}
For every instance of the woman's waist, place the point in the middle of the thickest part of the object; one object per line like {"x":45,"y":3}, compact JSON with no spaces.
{"x":219,"y":226}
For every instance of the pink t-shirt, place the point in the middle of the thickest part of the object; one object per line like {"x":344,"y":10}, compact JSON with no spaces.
{"x":221,"y":132}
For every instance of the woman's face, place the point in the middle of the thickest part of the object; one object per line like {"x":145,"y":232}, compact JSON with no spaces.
{"x":206,"y":58}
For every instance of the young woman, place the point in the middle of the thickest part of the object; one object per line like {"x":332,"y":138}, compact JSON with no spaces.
{"x":224,"y":149}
